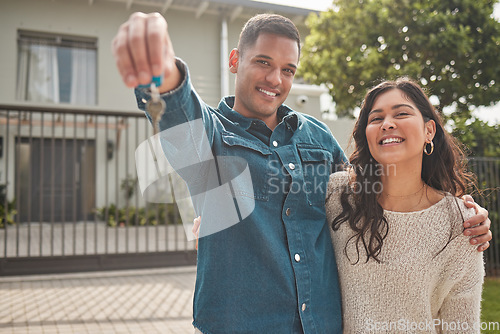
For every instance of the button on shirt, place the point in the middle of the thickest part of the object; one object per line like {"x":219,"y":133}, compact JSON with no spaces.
{"x":275,"y":271}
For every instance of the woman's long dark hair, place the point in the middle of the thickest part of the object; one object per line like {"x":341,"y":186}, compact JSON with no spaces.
{"x":444,"y":170}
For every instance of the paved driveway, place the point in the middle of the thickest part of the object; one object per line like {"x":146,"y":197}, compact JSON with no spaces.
{"x":133,"y":301}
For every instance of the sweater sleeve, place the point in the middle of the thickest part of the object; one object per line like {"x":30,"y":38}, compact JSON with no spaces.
{"x":461,"y":308}
{"x":336,"y":185}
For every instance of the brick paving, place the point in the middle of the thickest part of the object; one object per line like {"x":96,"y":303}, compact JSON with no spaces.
{"x":132,"y":301}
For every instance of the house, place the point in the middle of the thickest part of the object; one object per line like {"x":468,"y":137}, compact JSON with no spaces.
{"x":56,"y":54}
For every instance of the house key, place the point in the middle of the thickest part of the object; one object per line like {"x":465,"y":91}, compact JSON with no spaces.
{"x":155,"y":107}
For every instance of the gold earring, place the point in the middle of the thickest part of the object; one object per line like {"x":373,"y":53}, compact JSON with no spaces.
{"x":432,"y":148}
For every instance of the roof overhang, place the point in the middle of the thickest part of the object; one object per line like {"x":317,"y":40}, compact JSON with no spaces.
{"x":232,"y":9}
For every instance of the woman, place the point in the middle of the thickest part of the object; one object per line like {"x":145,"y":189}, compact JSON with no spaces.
{"x":405,"y":175}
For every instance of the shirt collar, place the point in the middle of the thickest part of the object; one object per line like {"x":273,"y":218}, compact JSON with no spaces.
{"x":289,"y":116}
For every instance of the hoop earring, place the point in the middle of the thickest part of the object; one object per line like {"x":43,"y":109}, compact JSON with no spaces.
{"x":432,"y":148}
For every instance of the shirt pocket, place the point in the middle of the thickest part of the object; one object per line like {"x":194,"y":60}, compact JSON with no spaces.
{"x":257,"y":157}
{"x":316,"y":168}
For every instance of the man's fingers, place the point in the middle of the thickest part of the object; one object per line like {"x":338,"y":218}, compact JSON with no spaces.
{"x":156,"y":39}
{"x":142,"y":49}
{"x":484,"y":246}
{"x":196,"y":226}
{"x":468,"y":201}
{"x":137,"y":47}
{"x":481,"y":239}
{"x":196,"y":229}
{"x":482,"y":234}
{"x":477,"y":230}
{"x":480,"y":217}
{"x":123,"y":58}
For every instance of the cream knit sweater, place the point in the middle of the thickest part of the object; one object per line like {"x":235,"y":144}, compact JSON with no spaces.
{"x":411,"y":290}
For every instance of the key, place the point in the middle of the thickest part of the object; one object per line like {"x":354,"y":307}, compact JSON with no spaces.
{"x":155,"y":107}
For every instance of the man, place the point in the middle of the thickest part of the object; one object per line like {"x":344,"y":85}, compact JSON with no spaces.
{"x":273,"y":272}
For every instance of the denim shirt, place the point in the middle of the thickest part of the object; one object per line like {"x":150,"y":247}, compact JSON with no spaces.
{"x":274,"y":271}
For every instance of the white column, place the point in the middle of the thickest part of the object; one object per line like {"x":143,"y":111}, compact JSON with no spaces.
{"x":224,"y":58}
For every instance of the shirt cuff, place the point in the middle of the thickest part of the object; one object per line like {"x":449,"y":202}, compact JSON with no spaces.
{"x":144,"y":94}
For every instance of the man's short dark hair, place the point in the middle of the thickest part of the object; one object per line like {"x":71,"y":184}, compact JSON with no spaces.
{"x":267,"y":23}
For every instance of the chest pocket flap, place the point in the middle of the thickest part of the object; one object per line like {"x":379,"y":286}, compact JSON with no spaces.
{"x":309,"y":154}
{"x":233,"y":140}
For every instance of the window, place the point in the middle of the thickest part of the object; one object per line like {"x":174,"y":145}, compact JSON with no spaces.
{"x":56,"y":68}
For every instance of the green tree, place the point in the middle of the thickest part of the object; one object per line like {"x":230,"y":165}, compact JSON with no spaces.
{"x":481,"y":139}
{"x":451,"y":46}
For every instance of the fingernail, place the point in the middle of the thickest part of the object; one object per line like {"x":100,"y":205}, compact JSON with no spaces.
{"x":473,"y":241}
{"x":131,"y":79}
{"x":467,"y":232}
{"x":144,"y":77}
{"x":467,"y":224}
{"x":155,"y":69}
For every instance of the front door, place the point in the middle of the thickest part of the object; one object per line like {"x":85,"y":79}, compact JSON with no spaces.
{"x":56,"y":179}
